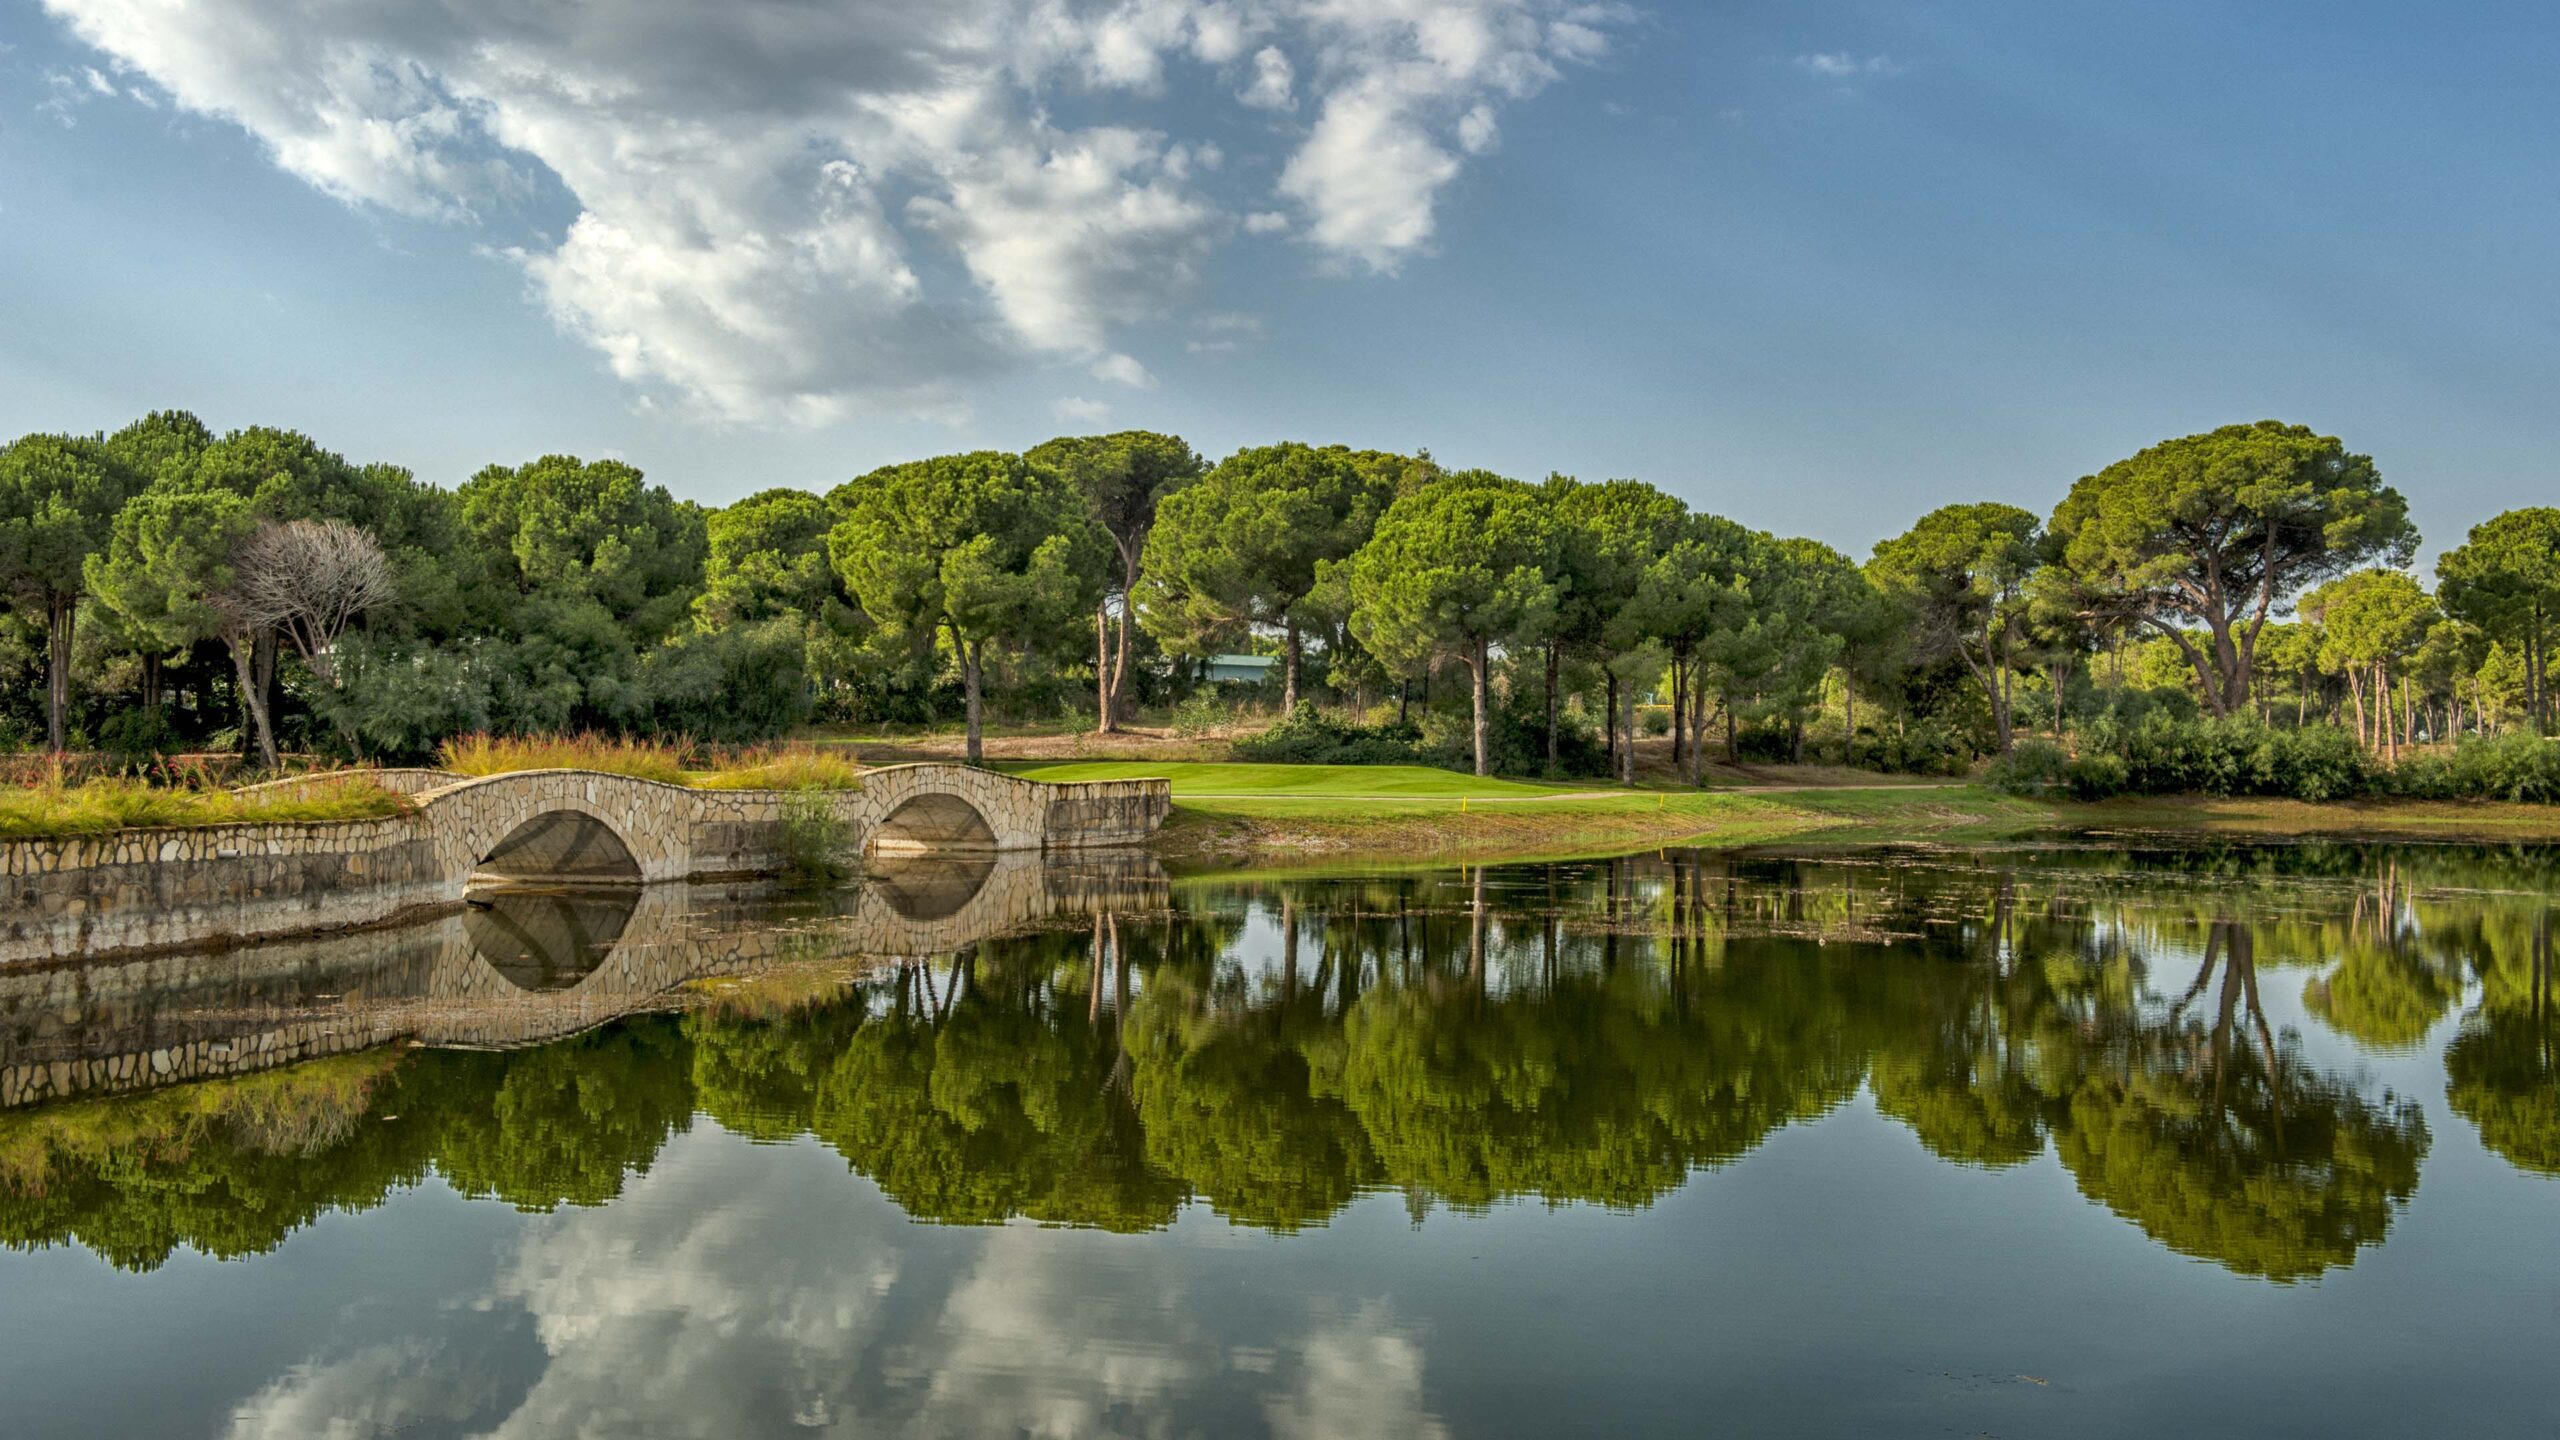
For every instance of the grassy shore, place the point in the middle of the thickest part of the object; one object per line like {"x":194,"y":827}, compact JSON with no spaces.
{"x":1233,"y":814}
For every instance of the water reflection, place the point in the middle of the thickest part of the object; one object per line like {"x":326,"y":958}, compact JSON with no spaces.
{"x":1271,"y":1050}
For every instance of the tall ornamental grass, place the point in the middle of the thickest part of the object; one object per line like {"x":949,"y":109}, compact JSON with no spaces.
{"x":670,"y":762}
{"x":55,"y":808}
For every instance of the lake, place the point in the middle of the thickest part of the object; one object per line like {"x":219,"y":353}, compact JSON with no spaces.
{"x":2040,"y":1140}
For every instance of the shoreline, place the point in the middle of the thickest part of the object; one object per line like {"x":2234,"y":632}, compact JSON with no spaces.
{"x":1217,"y":836}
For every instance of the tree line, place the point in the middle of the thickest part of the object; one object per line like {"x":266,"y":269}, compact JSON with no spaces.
{"x":172,"y":586}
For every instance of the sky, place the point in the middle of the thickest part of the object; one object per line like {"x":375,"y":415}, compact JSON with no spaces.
{"x":1813,"y":264}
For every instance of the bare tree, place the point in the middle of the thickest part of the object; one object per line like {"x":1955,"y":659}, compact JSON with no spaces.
{"x":309,"y":579}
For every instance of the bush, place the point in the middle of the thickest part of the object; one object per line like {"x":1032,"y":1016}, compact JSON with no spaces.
{"x":2156,"y":753}
{"x":1200,"y":714}
{"x":134,"y":739}
{"x":2032,"y":767}
{"x":815,"y":839}
{"x":1310,"y":737}
{"x":2517,"y":766}
{"x":1926,"y":746}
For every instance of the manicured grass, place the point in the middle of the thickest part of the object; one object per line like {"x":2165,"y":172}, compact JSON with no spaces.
{"x":98,"y":807}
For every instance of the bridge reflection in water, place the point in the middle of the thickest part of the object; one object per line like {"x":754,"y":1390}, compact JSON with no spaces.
{"x":520,"y":965}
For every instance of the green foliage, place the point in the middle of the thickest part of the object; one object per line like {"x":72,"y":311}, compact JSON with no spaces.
{"x":816,"y":842}
{"x":592,"y":530}
{"x":2516,"y":766}
{"x":2033,"y":766}
{"x":730,"y":685}
{"x":1310,"y":737}
{"x":2159,"y":754}
{"x":1246,"y":544}
{"x":2216,"y":529}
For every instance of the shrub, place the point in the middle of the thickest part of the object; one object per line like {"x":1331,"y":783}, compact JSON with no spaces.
{"x":2517,"y":766}
{"x":1200,"y":714}
{"x":2154,"y":752}
{"x":1925,"y":746}
{"x":2032,"y":767}
{"x":133,"y":739}
{"x":1310,"y":737}
{"x":815,"y":839}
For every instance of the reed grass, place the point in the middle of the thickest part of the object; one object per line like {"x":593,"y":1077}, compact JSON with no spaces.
{"x":56,"y":808}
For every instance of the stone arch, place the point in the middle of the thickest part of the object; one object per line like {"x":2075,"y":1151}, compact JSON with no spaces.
{"x":933,"y":821}
{"x":547,"y":823}
{"x":560,"y":847}
{"x":547,"y":940}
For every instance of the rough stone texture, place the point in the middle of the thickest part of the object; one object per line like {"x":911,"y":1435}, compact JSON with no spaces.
{"x":155,"y":889}
{"x":104,"y":1027}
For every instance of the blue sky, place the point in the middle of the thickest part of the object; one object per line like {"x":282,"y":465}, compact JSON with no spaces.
{"x":1818,"y":266}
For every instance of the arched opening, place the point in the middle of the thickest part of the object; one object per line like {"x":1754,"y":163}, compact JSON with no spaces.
{"x":540,"y":940}
{"x":560,"y":847}
{"x":931,"y":823}
{"x":925,"y":891}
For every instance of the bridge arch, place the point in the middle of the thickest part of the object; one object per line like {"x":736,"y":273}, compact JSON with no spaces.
{"x":560,"y":826}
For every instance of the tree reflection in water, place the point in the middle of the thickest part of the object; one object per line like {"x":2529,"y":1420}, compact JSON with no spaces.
{"x":1570,"y":1033}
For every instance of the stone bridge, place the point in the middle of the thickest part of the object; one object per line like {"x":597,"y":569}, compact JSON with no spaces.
{"x":518,"y":967}
{"x":154,"y":889}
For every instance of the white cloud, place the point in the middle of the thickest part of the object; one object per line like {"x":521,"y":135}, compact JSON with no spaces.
{"x":1843,"y":66}
{"x":1121,"y":370}
{"x":1077,"y":410}
{"x":783,"y":211}
{"x":1274,"y":81}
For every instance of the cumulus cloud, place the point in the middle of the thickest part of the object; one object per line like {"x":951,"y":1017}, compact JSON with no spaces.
{"x":782,"y":210}
{"x":1077,"y":410}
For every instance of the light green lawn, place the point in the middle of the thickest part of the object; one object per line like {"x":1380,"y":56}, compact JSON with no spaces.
{"x":1364,"y":795}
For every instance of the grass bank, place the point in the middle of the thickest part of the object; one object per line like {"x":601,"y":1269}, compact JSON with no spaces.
{"x":1228,"y":815}
{"x":1239,"y":814}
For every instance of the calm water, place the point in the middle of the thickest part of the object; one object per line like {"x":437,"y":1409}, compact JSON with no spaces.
{"x":2022,"y":1142}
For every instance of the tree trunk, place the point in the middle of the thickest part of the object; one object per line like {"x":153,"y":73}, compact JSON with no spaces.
{"x":1128,"y":613}
{"x":62,"y":612}
{"x":1479,"y":660}
{"x":150,"y":681}
{"x":1553,"y":753}
{"x":1102,"y":669}
{"x":1848,"y":718}
{"x":972,"y":658}
{"x":1404,"y":700}
{"x":1627,"y":748}
{"x":1679,"y":711}
{"x":2355,"y":689}
{"x":1609,"y":744}
{"x":1289,"y":671}
{"x":253,"y":697}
